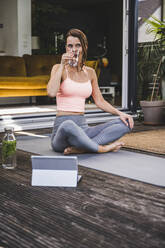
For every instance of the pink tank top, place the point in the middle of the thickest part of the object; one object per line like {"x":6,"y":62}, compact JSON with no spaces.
{"x":71,"y":95}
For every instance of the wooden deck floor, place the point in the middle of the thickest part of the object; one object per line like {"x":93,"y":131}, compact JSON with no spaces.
{"x":104,"y":211}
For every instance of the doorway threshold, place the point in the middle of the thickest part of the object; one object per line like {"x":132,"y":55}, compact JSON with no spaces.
{"x":42,"y":117}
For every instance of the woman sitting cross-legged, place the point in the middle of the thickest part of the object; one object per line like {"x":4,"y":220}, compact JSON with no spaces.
{"x":72,"y":82}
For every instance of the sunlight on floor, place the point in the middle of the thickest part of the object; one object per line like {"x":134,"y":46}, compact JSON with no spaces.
{"x":31,"y":134}
{"x":7,"y":121}
{"x":22,"y":110}
{"x":35,"y":109}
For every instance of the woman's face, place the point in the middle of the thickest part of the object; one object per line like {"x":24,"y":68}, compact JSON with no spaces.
{"x":73,"y":44}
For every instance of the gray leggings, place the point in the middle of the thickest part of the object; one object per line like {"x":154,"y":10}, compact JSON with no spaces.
{"x":73,"y":130}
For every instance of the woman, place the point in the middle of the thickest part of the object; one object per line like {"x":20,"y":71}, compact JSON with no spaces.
{"x":72,"y":82}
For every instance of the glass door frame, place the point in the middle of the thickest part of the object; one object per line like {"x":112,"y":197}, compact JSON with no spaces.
{"x":129,"y":53}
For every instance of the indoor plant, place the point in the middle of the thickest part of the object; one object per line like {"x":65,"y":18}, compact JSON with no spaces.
{"x":154,"y":107}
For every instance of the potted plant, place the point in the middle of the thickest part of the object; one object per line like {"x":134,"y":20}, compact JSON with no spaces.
{"x":154,"y":107}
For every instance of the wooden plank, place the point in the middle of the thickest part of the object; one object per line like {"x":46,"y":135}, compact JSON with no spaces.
{"x":104,"y":211}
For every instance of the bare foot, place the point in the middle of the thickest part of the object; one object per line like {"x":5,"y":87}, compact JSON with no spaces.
{"x":113,"y":147}
{"x":72,"y":149}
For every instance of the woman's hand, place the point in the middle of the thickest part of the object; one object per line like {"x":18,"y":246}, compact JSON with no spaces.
{"x":127,"y":119}
{"x":66,"y":57}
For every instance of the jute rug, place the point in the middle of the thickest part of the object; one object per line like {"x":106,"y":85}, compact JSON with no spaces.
{"x":150,"y":141}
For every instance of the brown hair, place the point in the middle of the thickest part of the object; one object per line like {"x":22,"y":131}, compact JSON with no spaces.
{"x":83,"y":39}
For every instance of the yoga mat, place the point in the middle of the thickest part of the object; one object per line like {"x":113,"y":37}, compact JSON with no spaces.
{"x":141,"y":167}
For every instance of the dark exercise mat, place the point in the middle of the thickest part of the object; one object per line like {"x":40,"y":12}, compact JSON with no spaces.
{"x":137,"y":166}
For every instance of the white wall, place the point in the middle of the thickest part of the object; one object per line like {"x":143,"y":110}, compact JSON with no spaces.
{"x":24,"y":26}
{"x":15,"y":37}
{"x":9,"y":38}
{"x":1,"y":29}
{"x":142,"y":36}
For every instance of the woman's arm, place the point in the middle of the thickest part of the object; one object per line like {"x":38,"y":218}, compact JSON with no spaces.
{"x":55,"y":80}
{"x":106,"y":106}
{"x":56,"y":75}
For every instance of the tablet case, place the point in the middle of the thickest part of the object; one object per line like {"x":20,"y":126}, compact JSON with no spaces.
{"x":58,"y":171}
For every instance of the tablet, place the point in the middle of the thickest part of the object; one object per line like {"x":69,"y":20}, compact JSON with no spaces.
{"x":58,"y":171}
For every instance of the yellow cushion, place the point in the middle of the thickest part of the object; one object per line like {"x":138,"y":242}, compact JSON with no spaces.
{"x":22,"y":92}
{"x":94,"y":64}
{"x":12,"y":66}
{"x":16,"y":83}
{"x":40,"y":64}
{"x":38,"y":82}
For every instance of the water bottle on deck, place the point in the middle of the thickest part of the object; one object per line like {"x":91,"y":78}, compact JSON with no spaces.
{"x":9,"y":149}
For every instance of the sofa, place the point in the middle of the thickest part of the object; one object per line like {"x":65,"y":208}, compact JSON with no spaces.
{"x":28,"y":75}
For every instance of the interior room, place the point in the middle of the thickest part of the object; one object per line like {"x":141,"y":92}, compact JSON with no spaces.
{"x":41,"y":30}
{"x":102,"y":23}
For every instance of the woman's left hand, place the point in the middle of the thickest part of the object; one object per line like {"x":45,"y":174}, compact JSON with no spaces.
{"x":127,"y":119}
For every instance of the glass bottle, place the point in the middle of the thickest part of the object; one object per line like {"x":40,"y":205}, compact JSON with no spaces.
{"x":9,"y":149}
